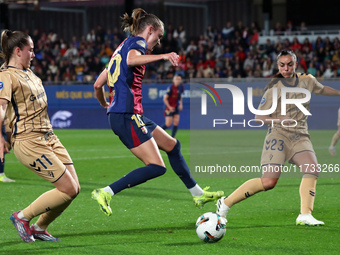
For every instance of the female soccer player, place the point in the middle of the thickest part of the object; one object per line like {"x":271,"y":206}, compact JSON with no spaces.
{"x":142,"y":136}
{"x":33,"y":141}
{"x":174,"y":104}
{"x":335,"y":138}
{"x":285,"y":143}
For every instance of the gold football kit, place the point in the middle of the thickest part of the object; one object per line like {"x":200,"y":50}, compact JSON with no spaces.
{"x":284,"y":140}
{"x":33,"y":141}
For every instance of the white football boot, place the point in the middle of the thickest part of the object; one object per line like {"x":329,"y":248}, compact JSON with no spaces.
{"x":308,"y":219}
{"x":222,"y":208}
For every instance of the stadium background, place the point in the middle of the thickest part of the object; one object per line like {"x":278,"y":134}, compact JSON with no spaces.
{"x":158,"y":217}
{"x":74,"y":40}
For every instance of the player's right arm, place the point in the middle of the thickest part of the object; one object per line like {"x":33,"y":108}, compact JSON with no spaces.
{"x":99,"y":89}
{"x":136,"y":58}
{"x":3,"y":147}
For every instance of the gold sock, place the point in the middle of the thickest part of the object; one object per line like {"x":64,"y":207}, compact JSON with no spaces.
{"x":246,"y":190}
{"x":46,"y":202}
{"x":335,"y":139}
{"x":46,"y":218}
{"x":307,"y":193}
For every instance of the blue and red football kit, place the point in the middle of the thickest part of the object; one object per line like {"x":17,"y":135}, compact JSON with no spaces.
{"x":174,"y":96}
{"x":125,"y":84}
{"x":126,"y":119}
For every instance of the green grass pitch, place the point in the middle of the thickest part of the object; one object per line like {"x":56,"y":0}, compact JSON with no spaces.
{"x":158,"y":217}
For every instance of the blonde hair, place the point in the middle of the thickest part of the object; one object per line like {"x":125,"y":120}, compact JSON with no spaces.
{"x":10,"y":40}
{"x":139,"y":20}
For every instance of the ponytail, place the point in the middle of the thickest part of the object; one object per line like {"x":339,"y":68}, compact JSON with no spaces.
{"x":139,"y":20}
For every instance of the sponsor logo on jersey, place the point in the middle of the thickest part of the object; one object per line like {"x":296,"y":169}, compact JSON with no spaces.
{"x":1,"y":84}
{"x":141,"y":43}
{"x":61,"y":119}
{"x":263,"y":100}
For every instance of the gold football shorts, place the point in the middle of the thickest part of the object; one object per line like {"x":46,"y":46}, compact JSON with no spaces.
{"x":42,"y":153}
{"x":278,"y":147}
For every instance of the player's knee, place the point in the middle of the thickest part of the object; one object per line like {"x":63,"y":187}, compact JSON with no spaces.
{"x":158,"y":170}
{"x":72,"y":191}
{"x":269,"y":183}
{"x":176,"y":148}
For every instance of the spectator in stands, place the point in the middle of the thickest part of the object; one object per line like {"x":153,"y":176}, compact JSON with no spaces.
{"x":228,"y":31}
{"x":267,"y":68}
{"x":180,"y":36}
{"x":278,"y":29}
{"x":289,"y":28}
{"x":328,"y":71}
{"x":303,"y":28}
{"x":311,"y":69}
{"x":296,"y":45}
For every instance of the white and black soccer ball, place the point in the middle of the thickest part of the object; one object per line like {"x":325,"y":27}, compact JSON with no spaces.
{"x":210,"y":227}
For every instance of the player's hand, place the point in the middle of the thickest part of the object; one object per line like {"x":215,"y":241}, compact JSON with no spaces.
{"x":180,"y":107}
{"x":3,"y":148}
{"x":172,"y":57}
{"x":106,"y":105}
{"x":172,"y":109}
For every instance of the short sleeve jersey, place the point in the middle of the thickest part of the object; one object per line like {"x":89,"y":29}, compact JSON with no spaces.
{"x":125,"y":83}
{"x":175,"y":94}
{"x":27,"y":108}
{"x":302,"y":81}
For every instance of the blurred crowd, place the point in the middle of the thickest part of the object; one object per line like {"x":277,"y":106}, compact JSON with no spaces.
{"x":232,"y":52}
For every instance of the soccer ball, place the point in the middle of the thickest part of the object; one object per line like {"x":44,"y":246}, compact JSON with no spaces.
{"x":210,"y":227}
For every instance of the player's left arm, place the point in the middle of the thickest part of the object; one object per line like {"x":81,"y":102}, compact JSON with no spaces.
{"x":328,"y":91}
{"x":99,"y":89}
{"x":3,"y":147}
{"x":180,"y":104}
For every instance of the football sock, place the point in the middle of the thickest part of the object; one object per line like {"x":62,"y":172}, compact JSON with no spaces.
{"x":174,"y":131}
{"x":164,"y":127}
{"x":196,"y":191}
{"x":2,"y":167}
{"x":46,"y":202}
{"x":37,"y":228}
{"x":335,"y":139}
{"x":137,"y":176}
{"x":307,"y":193}
{"x":108,"y":189}
{"x":246,"y":190}
{"x":47,"y":218}
{"x":21,"y":216}
{"x":180,"y":167}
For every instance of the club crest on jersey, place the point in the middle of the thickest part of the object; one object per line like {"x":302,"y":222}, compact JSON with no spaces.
{"x":1,"y":84}
{"x":141,"y":43}
{"x":144,"y":130}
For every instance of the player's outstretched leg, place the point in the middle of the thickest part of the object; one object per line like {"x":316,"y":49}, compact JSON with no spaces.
{"x":42,"y":235}
{"x":22,"y":227}
{"x":207,"y":196}
{"x":181,"y":168}
{"x":103,"y":198}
